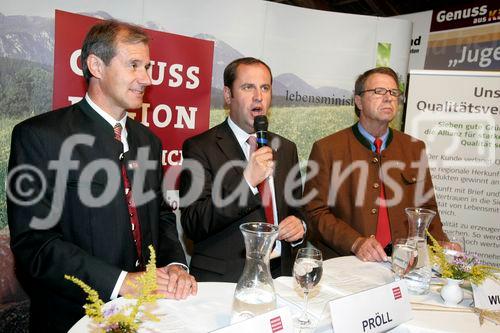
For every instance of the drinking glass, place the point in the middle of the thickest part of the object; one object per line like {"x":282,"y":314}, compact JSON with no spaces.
{"x":404,"y":256}
{"x":307,"y":270}
{"x":455,"y":247}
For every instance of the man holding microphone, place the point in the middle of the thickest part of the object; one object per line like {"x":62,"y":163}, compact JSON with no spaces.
{"x":240,"y":182}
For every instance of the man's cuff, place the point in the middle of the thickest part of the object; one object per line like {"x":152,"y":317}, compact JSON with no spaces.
{"x":253,"y":189}
{"x":118,"y":285}
{"x":180,"y":264}
{"x":300,"y":241}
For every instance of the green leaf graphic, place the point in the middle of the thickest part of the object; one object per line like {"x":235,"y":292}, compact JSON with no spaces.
{"x":383,"y":54}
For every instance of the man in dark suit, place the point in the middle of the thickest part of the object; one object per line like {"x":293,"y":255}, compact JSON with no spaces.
{"x":85,"y":193}
{"x":229,"y":194}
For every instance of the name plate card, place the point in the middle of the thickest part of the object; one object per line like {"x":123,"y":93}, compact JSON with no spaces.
{"x":373,"y":310}
{"x":276,"y":321}
{"x":487,"y":295}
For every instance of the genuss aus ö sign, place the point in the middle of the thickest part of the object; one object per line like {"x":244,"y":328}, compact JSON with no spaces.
{"x":177,"y":104}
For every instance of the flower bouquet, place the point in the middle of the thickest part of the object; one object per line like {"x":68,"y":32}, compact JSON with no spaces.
{"x":462,"y":267}
{"x":126,"y":319}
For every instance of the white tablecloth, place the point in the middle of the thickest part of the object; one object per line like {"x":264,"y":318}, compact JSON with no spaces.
{"x":211,"y":308}
{"x":346,"y":275}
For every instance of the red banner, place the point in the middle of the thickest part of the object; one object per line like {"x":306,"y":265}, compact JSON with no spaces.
{"x":175,"y":107}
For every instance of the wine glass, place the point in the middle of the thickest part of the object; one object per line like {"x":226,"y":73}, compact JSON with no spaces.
{"x":404,"y":257}
{"x":307,"y":270}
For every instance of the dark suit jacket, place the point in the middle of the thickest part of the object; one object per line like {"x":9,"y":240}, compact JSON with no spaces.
{"x":219,"y":250}
{"x":336,"y":217}
{"x":92,"y":243}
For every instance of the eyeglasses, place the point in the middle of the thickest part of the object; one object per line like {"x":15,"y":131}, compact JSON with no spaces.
{"x":383,"y":91}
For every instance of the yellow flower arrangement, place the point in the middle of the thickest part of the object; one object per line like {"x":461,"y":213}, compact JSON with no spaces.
{"x":463,"y":267}
{"x":128,"y":318}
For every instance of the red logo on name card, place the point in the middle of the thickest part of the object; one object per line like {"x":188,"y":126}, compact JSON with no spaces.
{"x":276,"y":324}
{"x":397,"y":293}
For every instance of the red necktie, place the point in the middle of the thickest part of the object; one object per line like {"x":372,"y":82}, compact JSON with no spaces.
{"x":132,"y":210}
{"x":383,"y":234}
{"x":264,"y":187}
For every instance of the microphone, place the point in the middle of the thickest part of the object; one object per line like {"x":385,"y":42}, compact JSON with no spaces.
{"x":260,"y":125}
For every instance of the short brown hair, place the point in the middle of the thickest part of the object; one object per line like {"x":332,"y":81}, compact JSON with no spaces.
{"x":102,"y":38}
{"x":230,"y":70}
{"x":359,"y":86}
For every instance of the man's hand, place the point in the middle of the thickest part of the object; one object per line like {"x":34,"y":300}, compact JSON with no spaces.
{"x":290,"y":229}
{"x":260,"y":166}
{"x":176,"y":282}
{"x":451,"y":246}
{"x":129,"y":284}
{"x":368,"y":249}
{"x":172,"y":282}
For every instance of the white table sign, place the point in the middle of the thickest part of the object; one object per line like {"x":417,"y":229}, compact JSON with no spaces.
{"x":487,"y":295}
{"x":276,"y":321}
{"x":373,"y":310}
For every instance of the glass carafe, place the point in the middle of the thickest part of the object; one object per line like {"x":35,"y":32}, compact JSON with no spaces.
{"x":419,"y":278}
{"x":254,"y":292}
